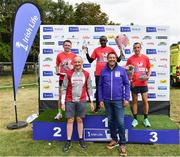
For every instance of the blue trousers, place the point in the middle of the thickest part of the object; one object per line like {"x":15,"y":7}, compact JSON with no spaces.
{"x":115,"y":114}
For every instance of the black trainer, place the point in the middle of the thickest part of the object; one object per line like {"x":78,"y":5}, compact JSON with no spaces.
{"x":96,"y":109}
{"x":67,"y":146}
{"x":82,"y":144}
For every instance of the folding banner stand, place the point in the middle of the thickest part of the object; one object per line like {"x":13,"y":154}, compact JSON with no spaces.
{"x":26,"y":24}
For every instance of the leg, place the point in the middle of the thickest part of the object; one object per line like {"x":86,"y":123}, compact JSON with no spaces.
{"x":145,"y":109}
{"x":97,"y":100}
{"x":59,"y":114}
{"x":111,"y":123}
{"x":145,"y":102}
{"x":134,"y":107}
{"x":70,"y":111}
{"x":80,"y":127}
{"x":81,"y":110}
{"x":70,"y":122}
{"x":134,"y":103}
{"x":67,"y":144}
{"x":119,"y":119}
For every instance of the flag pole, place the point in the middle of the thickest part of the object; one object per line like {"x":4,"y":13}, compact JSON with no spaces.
{"x":17,"y":124}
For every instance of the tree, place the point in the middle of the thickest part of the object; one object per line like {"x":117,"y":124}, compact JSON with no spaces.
{"x":7,"y":11}
{"x":90,"y":14}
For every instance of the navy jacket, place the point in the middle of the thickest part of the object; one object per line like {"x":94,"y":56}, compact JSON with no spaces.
{"x":113,"y":84}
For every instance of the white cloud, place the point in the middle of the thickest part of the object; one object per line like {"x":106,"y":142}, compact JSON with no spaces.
{"x":142,"y":12}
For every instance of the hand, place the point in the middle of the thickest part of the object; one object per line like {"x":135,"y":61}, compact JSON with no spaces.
{"x":57,"y":73}
{"x":85,"y":49}
{"x":63,"y":107}
{"x":101,"y":104}
{"x":92,"y":106}
{"x":126,"y":103}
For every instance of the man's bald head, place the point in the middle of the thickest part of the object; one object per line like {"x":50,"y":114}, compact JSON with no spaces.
{"x":78,"y":63}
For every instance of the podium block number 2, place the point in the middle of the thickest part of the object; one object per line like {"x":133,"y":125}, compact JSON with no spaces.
{"x":58,"y":132}
{"x":154,"y":136}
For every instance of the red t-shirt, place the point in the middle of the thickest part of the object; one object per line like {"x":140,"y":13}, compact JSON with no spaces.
{"x":141,"y":65}
{"x":100,"y":53}
{"x":64,"y":61}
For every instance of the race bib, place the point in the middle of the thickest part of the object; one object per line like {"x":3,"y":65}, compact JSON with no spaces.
{"x":117,"y":73}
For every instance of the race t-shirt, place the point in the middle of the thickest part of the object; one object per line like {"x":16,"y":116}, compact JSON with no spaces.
{"x":64,"y":61}
{"x":100,"y":53}
{"x":141,"y":65}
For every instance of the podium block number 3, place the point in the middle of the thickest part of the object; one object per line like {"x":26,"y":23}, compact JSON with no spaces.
{"x":154,"y":136}
{"x":58,"y":132}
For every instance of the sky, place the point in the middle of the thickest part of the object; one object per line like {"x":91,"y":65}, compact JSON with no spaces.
{"x":142,"y":12}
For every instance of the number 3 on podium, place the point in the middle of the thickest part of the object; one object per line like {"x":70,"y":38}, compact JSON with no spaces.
{"x":154,"y":136}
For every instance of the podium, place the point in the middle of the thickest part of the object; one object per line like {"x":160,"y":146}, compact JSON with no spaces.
{"x":163,"y":130}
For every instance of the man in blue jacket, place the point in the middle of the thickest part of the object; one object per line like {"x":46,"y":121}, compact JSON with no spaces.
{"x":114,"y":93}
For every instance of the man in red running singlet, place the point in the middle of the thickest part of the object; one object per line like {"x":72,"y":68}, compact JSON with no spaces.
{"x":142,"y":72}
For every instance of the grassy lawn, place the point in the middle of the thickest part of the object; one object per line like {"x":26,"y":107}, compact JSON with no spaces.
{"x":20,"y":143}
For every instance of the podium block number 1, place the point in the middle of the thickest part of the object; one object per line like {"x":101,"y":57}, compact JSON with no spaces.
{"x":105,"y":121}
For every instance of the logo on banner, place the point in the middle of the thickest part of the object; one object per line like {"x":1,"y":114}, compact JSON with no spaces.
{"x":147,"y":37}
{"x":76,"y":51}
{"x":151,"y":81}
{"x":151,"y":95}
{"x":27,"y":34}
{"x":47,"y":51}
{"x":127,"y":51}
{"x":60,"y":42}
{"x":161,"y":37}
{"x":162,"y":43}
{"x":162,"y":87}
{"x":47,"y":59}
{"x":161,"y":73}
{"x":47,"y":29}
{"x":86,"y":65}
{"x":47,"y":73}
{"x":73,"y":29}
{"x":125,"y":29}
{"x":47,"y":95}
{"x":151,"y":51}
{"x":96,"y":37}
{"x":84,"y":29}
{"x":49,"y":43}
{"x":162,"y":29}
{"x":46,"y":36}
{"x":112,"y":43}
{"x":151,"y":29}
{"x":110,"y":29}
{"x":161,"y":95}
{"x":153,"y":73}
{"x":99,"y":29}
{"x":136,"y":29}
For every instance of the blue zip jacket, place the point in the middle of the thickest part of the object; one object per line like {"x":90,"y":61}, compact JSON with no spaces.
{"x":113,"y":84}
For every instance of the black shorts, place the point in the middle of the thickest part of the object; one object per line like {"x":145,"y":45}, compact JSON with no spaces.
{"x":139,"y":89}
{"x":60,"y":82}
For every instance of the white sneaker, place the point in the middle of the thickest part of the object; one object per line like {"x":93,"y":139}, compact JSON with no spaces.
{"x":58,"y":116}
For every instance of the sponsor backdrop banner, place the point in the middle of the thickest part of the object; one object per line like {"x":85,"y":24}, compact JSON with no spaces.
{"x":26,"y":25}
{"x":154,"y":41}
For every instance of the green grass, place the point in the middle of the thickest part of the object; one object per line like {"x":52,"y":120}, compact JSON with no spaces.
{"x":20,"y":143}
{"x":28,"y":79}
{"x":158,"y":121}
{"x":25,"y":146}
